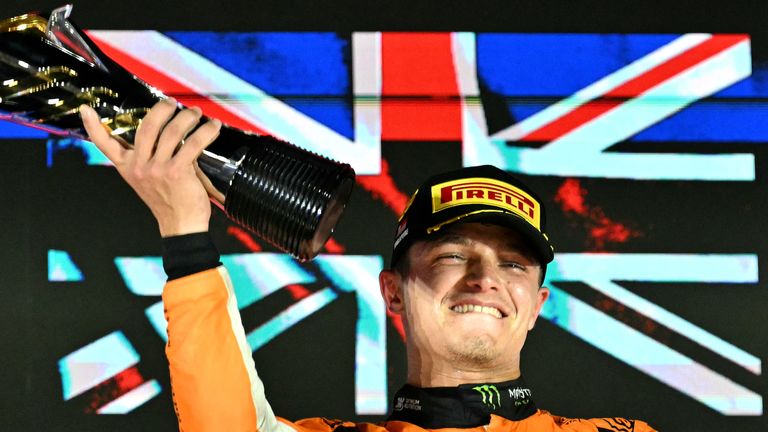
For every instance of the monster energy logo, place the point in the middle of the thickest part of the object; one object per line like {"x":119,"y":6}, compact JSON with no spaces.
{"x":488,"y":392}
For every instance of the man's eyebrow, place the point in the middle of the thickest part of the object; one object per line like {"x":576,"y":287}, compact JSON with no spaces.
{"x":517,"y":246}
{"x":450,"y":239}
{"x":520,"y":247}
{"x":512,"y":245}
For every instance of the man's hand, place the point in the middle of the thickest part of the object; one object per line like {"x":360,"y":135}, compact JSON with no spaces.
{"x":165,"y":179}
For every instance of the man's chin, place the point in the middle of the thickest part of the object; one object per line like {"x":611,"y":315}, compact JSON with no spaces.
{"x":478,"y":326}
{"x":476,"y":350}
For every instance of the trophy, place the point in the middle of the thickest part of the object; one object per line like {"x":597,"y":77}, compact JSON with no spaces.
{"x":288,"y":196}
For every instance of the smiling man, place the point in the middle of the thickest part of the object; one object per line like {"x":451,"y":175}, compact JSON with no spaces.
{"x":468,"y":262}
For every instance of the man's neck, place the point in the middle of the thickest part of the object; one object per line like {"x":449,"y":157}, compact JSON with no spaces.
{"x":450,"y":374}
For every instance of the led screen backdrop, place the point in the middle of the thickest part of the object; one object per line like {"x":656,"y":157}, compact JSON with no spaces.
{"x":648,"y":149}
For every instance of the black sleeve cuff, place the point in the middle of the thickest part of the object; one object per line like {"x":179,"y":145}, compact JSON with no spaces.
{"x":187,"y":254}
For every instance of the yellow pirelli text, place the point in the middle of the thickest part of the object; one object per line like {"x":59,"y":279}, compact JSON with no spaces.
{"x":477,"y":190}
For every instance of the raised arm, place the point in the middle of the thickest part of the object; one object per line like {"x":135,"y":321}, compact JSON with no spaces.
{"x":215,"y":385}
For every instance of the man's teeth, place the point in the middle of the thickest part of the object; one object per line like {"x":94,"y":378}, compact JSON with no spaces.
{"x":464,"y":308}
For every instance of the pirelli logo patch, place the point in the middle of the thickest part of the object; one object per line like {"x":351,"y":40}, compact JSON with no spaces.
{"x":489,"y":192}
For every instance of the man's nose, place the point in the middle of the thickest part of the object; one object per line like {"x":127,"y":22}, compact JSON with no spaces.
{"x":483,"y":275}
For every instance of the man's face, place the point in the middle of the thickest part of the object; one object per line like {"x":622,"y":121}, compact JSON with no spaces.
{"x":469,"y":297}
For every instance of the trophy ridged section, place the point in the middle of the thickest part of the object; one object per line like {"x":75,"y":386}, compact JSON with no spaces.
{"x":288,"y":196}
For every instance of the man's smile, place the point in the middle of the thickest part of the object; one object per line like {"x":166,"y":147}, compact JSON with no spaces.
{"x":475,"y":308}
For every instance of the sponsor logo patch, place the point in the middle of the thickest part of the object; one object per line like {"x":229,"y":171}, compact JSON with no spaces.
{"x":521,"y":396}
{"x":491,"y":396}
{"x":488,"y":192}
{"x":401,"y":235}
{"x":407,"y":403}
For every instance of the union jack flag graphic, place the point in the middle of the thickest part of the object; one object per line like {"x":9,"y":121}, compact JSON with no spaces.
{"x":590,"y":106}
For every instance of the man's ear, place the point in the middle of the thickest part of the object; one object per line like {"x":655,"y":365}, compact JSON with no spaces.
{"x":390,"y":283}
{"x":541,"y":296}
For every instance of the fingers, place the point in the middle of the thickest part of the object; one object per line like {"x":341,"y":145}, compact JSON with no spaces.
{"x":159,"y":122}
{"x":151,"y":126}
{"x":99,"y":136}
{"x":197,"y":142}
{"x":175,"y":131}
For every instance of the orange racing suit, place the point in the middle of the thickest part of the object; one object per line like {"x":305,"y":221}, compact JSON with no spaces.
{"x":216,"y":387}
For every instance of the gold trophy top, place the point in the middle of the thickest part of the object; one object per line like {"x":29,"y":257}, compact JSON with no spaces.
{"x":26,"y":22}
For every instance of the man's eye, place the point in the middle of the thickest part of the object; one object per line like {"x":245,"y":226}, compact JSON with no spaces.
{"x":450,"y":257}
{"x":513,"y":265}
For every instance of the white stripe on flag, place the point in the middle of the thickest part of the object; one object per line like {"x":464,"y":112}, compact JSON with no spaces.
{"x":245,"y":100}
{"x":650,"y":356}
{"x":657,"y":103}
{"x":602,"y":86}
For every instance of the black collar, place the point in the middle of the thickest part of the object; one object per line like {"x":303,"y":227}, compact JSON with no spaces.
{"x":468,"y":405}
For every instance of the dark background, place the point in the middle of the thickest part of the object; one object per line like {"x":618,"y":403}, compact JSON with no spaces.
{"x":308,"y":370}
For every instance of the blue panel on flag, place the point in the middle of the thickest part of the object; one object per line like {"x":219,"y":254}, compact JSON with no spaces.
{"x":12,"y":130}
{"x":755,"y":86}
{"x":524,"y":109}
{"x":712,"y":121}
{"x":534,"y":71}
{"x":308,"y":71}
{"x":556,"y":64}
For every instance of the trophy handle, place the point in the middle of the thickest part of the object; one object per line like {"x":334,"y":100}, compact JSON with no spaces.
{"x":61,"y":32}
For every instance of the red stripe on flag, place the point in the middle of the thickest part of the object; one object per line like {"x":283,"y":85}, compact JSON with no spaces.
{"x":382,"y":187}
{"x":244,"y":237}
{"x":172,"y":87}
{"x":634,"y":87}
{"x":112,"y":388}
{"x":297,"y":291}
{"x":334,"y":247}
{"x":571,"y":196}
{"x":397,"y":323}
{"x":419,"y":88}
